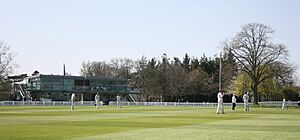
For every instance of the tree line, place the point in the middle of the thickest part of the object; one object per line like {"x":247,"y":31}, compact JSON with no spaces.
{"x":190,"y":79}
{"x":250,"y":62}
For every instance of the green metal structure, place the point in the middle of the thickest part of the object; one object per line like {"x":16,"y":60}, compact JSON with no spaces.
{"x":59,"y":87}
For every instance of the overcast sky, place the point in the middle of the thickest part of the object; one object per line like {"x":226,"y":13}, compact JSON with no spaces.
{"x":47,"y":33}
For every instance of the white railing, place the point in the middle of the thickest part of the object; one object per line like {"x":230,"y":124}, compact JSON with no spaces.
{"x":113,"y":103}
{"x":45,"y":103}
{"x":132,"y":98}
{"x":278,"y":103}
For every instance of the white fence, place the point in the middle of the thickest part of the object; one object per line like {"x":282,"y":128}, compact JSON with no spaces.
{"x":113,"y":103}
{"x":45,"y":103}
{"x":278,"y":103}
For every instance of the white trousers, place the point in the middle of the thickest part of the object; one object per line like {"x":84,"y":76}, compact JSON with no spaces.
{"x":220,"y":108}
{"x":97,"y":104}
{"x":118,"y":104}
{"x":72,"y":105}
{"x":246,"y":106}
{"x":283,"y":106}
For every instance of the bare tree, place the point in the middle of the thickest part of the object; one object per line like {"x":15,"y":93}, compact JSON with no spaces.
{"x":176,"y":79}
{"x":116,"y":68}
{"x":254,"y":52}
{"x":86,"y":69}
{"x":126,"y":67}
{"x":7,"y":63}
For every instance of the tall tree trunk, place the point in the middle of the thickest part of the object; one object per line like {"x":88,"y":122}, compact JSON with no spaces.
{"x":255,"y":94}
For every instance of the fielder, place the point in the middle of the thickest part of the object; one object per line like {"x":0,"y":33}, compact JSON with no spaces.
{"x":220,"y":96}
{"x":233,"y":100}
{"x":118,"y":101}
{"x":246,"y":101}
{"x":283,"y":104}
{"x":97,"y":100}
{"x":72,"y":101}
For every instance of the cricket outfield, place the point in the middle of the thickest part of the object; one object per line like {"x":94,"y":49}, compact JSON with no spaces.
{"x":147,"y":123}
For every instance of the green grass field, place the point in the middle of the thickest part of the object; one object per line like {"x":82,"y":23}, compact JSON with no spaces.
{"x":147,"y":123}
